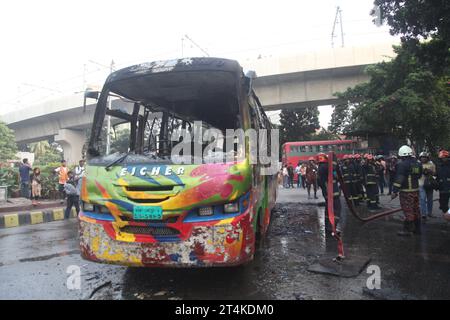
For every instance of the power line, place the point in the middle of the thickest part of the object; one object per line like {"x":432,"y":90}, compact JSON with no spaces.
{"x":195,"y":44}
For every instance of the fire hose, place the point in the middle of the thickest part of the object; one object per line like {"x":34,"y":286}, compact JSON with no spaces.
{"x":332,"y":163}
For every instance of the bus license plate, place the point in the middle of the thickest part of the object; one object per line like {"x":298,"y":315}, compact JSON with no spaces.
{"x":147,"y":213}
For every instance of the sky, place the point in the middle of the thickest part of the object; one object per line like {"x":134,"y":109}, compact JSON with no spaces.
{"x":52,"y":48}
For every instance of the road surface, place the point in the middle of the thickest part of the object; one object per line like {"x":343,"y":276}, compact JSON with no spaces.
{"x":37,"y":261}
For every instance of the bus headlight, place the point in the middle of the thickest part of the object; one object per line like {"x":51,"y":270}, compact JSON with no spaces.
{"x":88,"y":206}
{"x":231,"y":207}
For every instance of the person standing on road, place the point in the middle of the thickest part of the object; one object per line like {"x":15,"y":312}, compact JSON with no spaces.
{"x":73,"y":195}
{"x":381,"y":170}
{"x":426,"y":185}
{"x":371,"y":182}
{"x":79,"y":170}
{"x":358,"y":179}
{"x":392,"y":169}
{"x":24,"y":178}
{"x":299,"y":176}
{"x":311,"y":177}
{"x":443,"y":179}
{"x":63,"y":177}
{"x":348,"y":173}
{"x":291,"y":176}
{"x":409,"y":170}
{"x":285,"y":177}
{"x":36,"y":186}
{"x":303,"y":175}
{"x":322,"y":180}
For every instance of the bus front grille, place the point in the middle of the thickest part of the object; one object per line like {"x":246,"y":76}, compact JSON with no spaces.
{"x":152,"y":231}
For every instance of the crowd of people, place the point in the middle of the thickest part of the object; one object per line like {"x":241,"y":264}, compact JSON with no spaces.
{"x":365,"y":177}
{"x":69,"y":184}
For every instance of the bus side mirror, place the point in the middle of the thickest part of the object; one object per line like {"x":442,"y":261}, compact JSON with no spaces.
{"x":89,"y":93}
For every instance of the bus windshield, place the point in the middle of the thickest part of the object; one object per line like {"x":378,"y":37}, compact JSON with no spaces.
{"x":144,"y":111}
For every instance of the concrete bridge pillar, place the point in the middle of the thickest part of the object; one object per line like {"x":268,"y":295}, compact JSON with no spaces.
{"x":72,"y":142}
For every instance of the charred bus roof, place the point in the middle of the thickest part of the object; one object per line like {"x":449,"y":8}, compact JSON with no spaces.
{"x":175,"y":65}
{"x":166,"y":83}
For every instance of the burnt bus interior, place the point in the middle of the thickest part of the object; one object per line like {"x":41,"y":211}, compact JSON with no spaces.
{"x":156,"y":105}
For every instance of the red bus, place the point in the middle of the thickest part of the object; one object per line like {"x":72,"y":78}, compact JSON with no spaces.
{"x":295,"y":152}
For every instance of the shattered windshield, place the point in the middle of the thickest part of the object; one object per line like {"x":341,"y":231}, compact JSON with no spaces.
{"x":147,"y":118}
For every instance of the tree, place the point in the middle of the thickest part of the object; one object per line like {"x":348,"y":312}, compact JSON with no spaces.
{"x":340,"y":118}
{"x":403,"y":98}
{"x":324,"y":134}
{"x":120,"y":140}
{"x":415,"y":19}
{"x":297,"y":125}
{"x":8,"y":146}
{"x":45,"y":153}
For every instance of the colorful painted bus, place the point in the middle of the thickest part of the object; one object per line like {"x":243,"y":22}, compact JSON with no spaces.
{"x":139,"y":206}
{"x":295,"y":152}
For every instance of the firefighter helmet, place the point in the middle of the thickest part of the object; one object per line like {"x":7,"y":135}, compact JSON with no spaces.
{"x":424,"y":155}
{"x":443,"y":154}
{"x":405,"y":151}
{"x":311,"y":159}
{"x":322,"y":157}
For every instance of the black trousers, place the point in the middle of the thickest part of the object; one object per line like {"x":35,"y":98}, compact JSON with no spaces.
{"x":372,"y":192}
{"x":443,"y":201}
{"x":72,"y":200}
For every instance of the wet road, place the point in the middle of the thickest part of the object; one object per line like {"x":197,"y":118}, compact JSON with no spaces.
{"x":34,"y":262}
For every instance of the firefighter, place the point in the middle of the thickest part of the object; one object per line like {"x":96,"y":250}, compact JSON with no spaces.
{"x":322,"y":159}
{"x":443,"y":179}
{"x":347,"y":170}
{"x":311,"y":177}
{"x":371,"y":182}
{"x":406,"y":183}
{"x":358,"y":179}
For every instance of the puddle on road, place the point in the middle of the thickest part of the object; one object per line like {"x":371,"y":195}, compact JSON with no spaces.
{"x":291,"y":244}
{"x":410,"y":268}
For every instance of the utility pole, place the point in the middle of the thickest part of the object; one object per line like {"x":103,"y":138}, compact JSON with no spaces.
{"x":108,"y":117}
{"x":337,"y":17}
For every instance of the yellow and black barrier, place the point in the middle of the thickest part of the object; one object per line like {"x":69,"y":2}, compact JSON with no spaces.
{"x":11,"y":220}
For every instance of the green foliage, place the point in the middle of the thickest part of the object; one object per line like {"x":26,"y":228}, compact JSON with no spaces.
{"x":120,"y":140}
{"x":8,"y":146}
{"x":414,"y":19}
{"x":298,"y":125}
{"x":45,"y":153}
{"x":324,"y":135}
{"x":403,"y":98}
{"x":9,"y":177}
{"x":49,"y":180}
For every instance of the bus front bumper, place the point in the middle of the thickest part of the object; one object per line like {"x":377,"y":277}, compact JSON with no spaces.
{"x":224,"y":242}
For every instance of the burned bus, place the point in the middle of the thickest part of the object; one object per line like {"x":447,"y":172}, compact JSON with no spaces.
{"x":143,"y":204}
